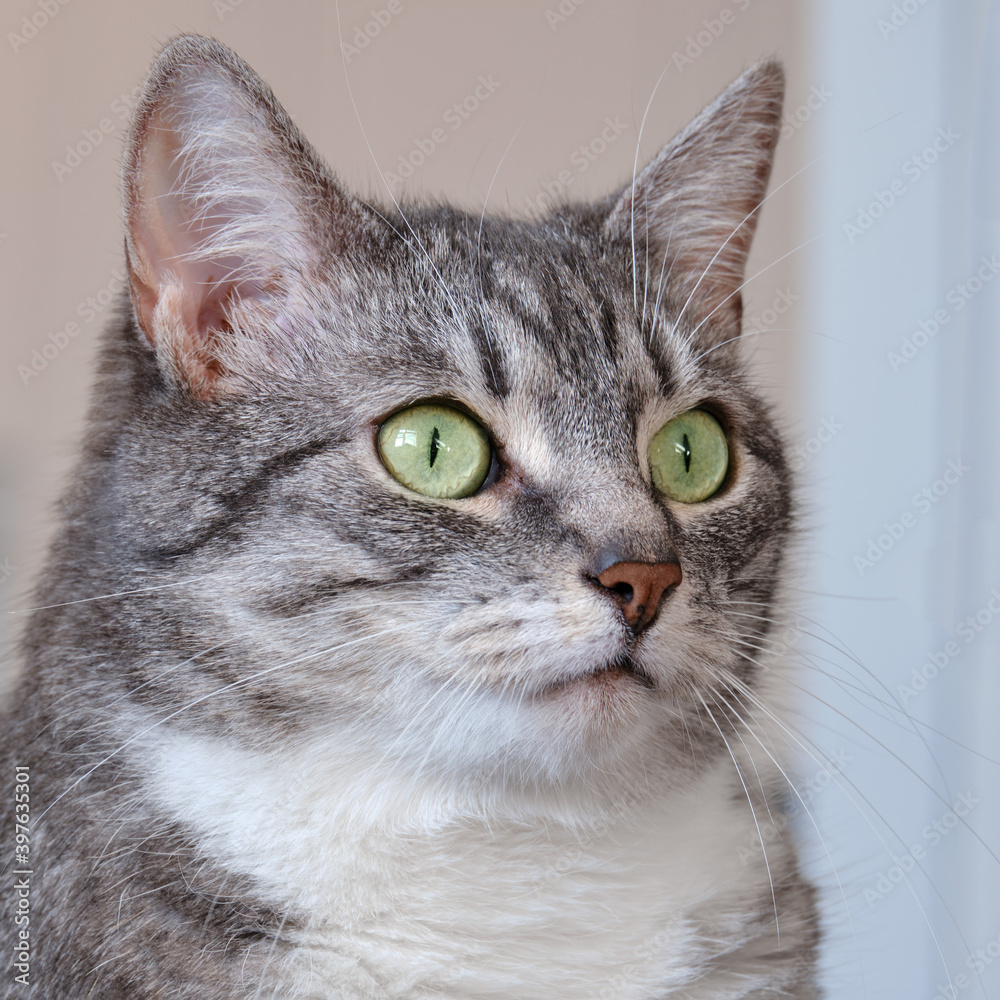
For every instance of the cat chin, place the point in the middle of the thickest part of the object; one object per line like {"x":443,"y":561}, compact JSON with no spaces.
{"x":602,"y":707}
{"x":618,"y":675}
{"x":576,"y":733}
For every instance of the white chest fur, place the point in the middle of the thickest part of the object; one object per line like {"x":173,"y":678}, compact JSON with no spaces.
{"x":399,"y":894}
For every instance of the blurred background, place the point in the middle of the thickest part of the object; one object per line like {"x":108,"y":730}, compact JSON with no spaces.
{"x":871,"y":318}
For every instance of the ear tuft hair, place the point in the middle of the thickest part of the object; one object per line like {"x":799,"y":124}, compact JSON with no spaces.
{"x":229,"y":217}
{"x":691,"y":213}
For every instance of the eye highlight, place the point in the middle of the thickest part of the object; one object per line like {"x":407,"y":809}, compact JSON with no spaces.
{"x":689,"y":457}
{"x":435,"y":450}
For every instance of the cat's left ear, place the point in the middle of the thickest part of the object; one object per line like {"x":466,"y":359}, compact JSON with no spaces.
{"x":691,"y":213}
{"x":230,"y":219}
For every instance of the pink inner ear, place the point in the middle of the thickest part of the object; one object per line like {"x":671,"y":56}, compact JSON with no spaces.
{"x":169,"y":236}
{"x":212,"y":289}
{"x":230,"y":215}
{"x":211,"y":209}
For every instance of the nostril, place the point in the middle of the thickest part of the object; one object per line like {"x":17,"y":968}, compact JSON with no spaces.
{"x":638,"y":588}
{"x":623,"y":591}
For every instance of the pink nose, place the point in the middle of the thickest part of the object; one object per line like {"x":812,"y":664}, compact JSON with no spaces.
{"x":638,"y":587}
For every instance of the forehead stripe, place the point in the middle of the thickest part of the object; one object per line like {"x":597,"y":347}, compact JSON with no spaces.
{"x":491,"y":360}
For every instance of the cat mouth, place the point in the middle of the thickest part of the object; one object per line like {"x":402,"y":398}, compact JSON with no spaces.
{"x":628,"y":667}
{"x":622,"y":669}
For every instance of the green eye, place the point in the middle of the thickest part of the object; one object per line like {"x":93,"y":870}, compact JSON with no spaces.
{"x":435,"y":450}
{"x":688,"y":457}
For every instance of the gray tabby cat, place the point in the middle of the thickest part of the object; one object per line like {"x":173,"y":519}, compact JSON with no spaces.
{"x":406,"y":632}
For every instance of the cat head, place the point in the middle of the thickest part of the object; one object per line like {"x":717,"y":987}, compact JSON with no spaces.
{"x":481,"y":497}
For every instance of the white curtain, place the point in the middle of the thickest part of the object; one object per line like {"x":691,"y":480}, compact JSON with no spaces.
{"x":902,"y":354}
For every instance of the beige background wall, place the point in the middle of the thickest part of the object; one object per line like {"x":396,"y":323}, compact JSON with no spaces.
{"x":557,"y":77}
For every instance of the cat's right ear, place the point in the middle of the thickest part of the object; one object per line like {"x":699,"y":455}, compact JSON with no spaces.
{"x":231,"y":218}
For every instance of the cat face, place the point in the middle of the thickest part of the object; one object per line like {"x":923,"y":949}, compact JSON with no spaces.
{"x":564,"y":619}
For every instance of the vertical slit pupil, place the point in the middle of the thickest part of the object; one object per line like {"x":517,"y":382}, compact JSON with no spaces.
{"x":687,"y":454}
{"x":435,"y":445}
